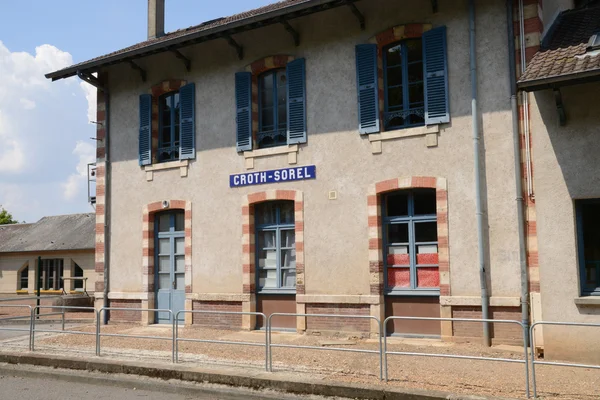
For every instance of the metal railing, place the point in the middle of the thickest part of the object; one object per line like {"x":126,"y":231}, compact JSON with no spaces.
{"x":525,"y":360}
{"x":270,"y":344}
{"x":63,"y":309}
{"x":177,"y":339}
{"x":3,"y":328}
{"x":99,"y":334}
{"x":555,"y":363}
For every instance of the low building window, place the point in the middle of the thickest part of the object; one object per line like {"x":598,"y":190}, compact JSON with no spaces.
{"x":276,"y":246}
{"x":168,"y":127}
{"x":77,"y":273}
{"x":23,"y":282}
{"x":410,"y":241}
{"x":588,"y":237}
{"x":52,"y":274}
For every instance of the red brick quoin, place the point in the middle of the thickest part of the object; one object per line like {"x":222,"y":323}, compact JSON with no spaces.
{"x":375,"y":227}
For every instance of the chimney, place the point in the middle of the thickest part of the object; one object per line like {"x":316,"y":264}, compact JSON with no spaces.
{"x":156,"y":18}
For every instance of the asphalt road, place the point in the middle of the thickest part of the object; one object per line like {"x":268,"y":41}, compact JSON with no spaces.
{"x":38,"y":383}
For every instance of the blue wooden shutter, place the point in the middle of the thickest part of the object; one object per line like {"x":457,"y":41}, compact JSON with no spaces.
{"x":296,"y":101}
{"x":243,"y":105}
{"x":435,"y":64}
{"x":368,"y":91}
{"x":145,"y":136}
{"x":187,"y":122}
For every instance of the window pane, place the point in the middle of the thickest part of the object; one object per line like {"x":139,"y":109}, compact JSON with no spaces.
{"x":427,"y":254}
{"x":416,"y":94}
{"x":266,"y":213}
{"x":426,"y":232}
{"x":286,"y":215}
{"x":267,"y":121}
{"x":397,"y":204}
{"x":164,"y":246}
{"x":414,"y":49}
{"x":164,"y":222}
{"x":179,"y":263}
{"x":176,"y":138}
{"x":175,"y":102}
{"x":397,"y":233}
{"x":394,"y":76}
{"x":179,"y":222}
{"x":398,"y":255}
{"x":281,"y":79}
{"x":179,"y":246}
{"x":415,"y":72}
{"x":394,"y":55}
{"x":428,"y":277}
{"x":266,"y":239}
{"x":180,"y":281}
{"x":166,"y":136}
{"x":591,"y":275}
{"x":267,"y":259}
{"x":282,"y":117}
{"x":267,"y":279}
{"x":395,"y":98}
{"x":288,"y":258}
{"x":164,"y":281}
{"x":266,"y":90}
{"x":288,"y":278}
{"x":288,"y":238}
{"x":425,"y":203}
{"x":164,"y":264}
{"x":398,"y":278}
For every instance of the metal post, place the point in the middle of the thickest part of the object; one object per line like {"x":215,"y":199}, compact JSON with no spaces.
{"x":532,"y":341}
{"x":525,"y":343}
{"x":385,"y":355}
{"x":380,"y":351}
{"x":31,"y":319}
{"x":269,"y":341}
{"x":175,"y":342}
{"x":39,"y":283}
{"x":175,"y":325}
{"x":37,"y":310}
{"x":98,"y":332}
{"x":63,"y":318}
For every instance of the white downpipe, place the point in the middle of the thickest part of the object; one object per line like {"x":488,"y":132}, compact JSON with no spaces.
{"x":526,"y":126}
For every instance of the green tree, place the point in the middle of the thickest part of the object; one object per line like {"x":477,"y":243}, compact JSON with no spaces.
{"x":6,"y":218}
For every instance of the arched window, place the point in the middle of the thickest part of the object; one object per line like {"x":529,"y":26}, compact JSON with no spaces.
{"x":23,"y":278}
{"x":276,"y":246}
{"x":168,"y":123}
{"x":272,"y":109}
{"x":403,"y":82}
{"x":410,"y":241}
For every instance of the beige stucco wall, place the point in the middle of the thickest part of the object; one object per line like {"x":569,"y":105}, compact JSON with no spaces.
{"x":11,"y":264}
{"x":565,"y":168}
{"x":336,"y":238}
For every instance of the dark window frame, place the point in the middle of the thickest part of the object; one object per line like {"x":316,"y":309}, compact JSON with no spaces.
{"x":23,"y":278}
{"x":278,"y":131}
{"x":173,"y":147}
{"x":55,"y":280}
{"x":406,"y":110}
{"x":411,"y":219}
{"x":582,"y":262}
{"x":278,"y":228}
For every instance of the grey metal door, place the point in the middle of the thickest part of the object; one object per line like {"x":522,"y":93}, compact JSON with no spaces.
{"x":170,"y":265}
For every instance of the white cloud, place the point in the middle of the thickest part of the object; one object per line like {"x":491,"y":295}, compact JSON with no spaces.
{"x":43,"y":160}
{"x":27,"y":104}
{"x":77,"y":181}
{"x":90,"y":96}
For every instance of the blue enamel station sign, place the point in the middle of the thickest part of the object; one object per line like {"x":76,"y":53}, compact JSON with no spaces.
{"x":273,"y":176}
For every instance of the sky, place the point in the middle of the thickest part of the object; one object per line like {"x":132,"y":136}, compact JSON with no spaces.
{"x":45,"y":128}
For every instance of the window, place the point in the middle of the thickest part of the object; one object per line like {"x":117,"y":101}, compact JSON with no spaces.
{"x":272,"y":125}
{"x":52,"y":274}
{"x":276,"y":246}
{"x":168,"y":139}
{"x":404,"y":92}
{"x":23,"y":282}
{"x":410,"y":241}
{"x":77,"y":273}
{"x":588,"y":237}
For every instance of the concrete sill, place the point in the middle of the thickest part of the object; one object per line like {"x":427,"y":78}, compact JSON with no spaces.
{"x":291,"y":151}
{"x":430,"y":132}
{"x":587,"y":301}
{"x":181,"y":164}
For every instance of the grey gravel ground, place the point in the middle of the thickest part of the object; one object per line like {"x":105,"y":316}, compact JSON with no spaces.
{"x":451,"y":375}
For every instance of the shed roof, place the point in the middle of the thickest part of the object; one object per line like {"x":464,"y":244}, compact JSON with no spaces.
{"x":60,"y":232}
{"x":564,"y":57}
{"x":208,"y":30}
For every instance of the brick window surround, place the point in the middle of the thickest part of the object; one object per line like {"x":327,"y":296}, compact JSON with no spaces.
{"x":249,"y":244}
{"x":376,"y":269}
{"x":257,"y":68}
{"x":385,"y":38}
{"x":156,"y":91}
{"x":149,"y":213}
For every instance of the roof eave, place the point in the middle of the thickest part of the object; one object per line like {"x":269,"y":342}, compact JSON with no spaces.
{"x":554,"y":82}
{"x":195,"y":37}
